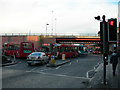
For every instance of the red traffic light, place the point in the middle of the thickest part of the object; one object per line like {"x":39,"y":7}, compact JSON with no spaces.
{"x":111,"y":23}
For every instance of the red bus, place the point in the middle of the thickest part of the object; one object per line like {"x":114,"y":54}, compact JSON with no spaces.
{"x":48,"y":49}
{"x":58,"y":49}
{"x":22,"y":49}
{"x":68,"y":50}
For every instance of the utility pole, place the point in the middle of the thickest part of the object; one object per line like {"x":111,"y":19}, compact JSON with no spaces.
{"x":55,"y":25}
{"x":52,"y":23}
{"x":46,"y":28}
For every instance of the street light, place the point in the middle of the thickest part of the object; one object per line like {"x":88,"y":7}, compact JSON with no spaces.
{"x":46,"y":28}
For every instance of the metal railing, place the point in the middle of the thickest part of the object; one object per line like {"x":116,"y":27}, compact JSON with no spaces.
{"x":48,"y":34}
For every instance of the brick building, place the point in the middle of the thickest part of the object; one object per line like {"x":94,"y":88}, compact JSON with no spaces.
{"x":37,"y":40}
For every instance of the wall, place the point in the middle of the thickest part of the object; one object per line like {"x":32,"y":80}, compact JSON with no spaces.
{"x":37,"y":40}
{"x":18,"y":39}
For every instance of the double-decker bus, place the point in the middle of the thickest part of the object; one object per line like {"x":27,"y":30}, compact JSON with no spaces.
{"x":82,"y":50}
{"x":22,"y":49}
{"x":59,"y":49}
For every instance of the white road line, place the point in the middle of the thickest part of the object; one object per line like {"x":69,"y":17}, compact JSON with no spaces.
{"x":88,"y":72}
{"x":60,"y":75}
{"x":77,"y":61}
{"x":28,"y":71}
{"x":87,"y":75}
{"x":11,"y":65}
{"x":45,"y":69}
{"x":58,"y":67}
{"x":70,"y":63}
{"x":33,"y":69}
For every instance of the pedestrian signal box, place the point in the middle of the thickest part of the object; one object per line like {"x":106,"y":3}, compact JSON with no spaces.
{"x":105,"y":58}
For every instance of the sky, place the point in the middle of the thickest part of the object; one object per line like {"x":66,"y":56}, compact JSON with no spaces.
{"x":63,"y":16}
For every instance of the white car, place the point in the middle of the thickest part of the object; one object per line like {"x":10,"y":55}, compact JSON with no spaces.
{"x":37,"y":58}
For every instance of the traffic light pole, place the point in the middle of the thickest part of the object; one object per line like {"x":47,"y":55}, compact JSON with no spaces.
{"x":104,"y":48}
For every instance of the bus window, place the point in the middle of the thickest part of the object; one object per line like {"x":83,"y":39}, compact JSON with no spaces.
{"x":17,"y":46}
{"x":62,"y":49}
{"x":75,"y":48}
{"x":27,"y":45}
{"x":45,"y":49}
{"x":72,"y":49}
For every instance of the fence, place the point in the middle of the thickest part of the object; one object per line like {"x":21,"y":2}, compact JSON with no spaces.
{"x":48,"y":34}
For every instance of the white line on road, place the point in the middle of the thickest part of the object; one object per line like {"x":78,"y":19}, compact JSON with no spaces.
{"x":45,"y":69}
{"x":58,"y":67}
{"x":60,"y":75}
{"x":32,"y":69}
{"x":11,"y":65}
{"x":88,"y":72}
{"x":77,"y":61}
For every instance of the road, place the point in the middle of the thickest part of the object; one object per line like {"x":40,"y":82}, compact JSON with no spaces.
{"x":70,"y":75}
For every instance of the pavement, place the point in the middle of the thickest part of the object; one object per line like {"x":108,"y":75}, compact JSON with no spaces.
{"x":97,"y":81}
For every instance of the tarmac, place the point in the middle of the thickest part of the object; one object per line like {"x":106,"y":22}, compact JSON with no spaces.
{"x":96,"y":81}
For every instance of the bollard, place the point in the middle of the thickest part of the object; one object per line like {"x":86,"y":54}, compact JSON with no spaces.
{"x":63,"y":56}
{"x":52,"y":60}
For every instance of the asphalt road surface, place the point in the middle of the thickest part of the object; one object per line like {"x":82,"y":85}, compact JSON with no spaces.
{"x":70,"y":75}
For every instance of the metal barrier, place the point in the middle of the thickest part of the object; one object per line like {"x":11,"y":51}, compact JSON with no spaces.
{"x":48,"y":34}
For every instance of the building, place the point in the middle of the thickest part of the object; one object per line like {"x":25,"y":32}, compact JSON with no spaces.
{"x":119,"y":11}
{"x":119,"y":26}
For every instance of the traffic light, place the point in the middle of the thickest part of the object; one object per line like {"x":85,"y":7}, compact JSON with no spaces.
{"x":106,"y":31}
{"x":112,"y":30}
{"x":106,"y":35}
{"x":105,"y":58}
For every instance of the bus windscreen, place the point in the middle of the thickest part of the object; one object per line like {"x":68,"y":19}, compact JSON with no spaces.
{"x":27,"y":45}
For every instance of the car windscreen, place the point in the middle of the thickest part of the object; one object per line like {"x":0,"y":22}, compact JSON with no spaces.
{"x":36,"y":54}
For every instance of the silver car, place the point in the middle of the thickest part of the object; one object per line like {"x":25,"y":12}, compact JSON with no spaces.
{"x":37,"y":58}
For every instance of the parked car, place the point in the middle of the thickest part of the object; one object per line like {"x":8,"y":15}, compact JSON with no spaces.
{"x":96,"y":52}
{"x":37,"y":58}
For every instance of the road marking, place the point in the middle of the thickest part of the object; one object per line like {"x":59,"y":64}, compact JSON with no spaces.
{"x":88,"y":72}
{"x":70,"y":63}
{"x":11,"y":65}
{"x":32,"y":69}
{"x":28,"y":71}
{"x":61,"y":75}
{"x":58,"y":67}
{"x":45,"y":69}
{"x":77,"y":61}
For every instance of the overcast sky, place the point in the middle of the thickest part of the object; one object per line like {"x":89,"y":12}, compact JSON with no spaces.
{"x":68,"y":16}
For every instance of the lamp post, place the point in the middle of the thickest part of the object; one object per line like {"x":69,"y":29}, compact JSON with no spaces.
{"x":46,"y":28}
